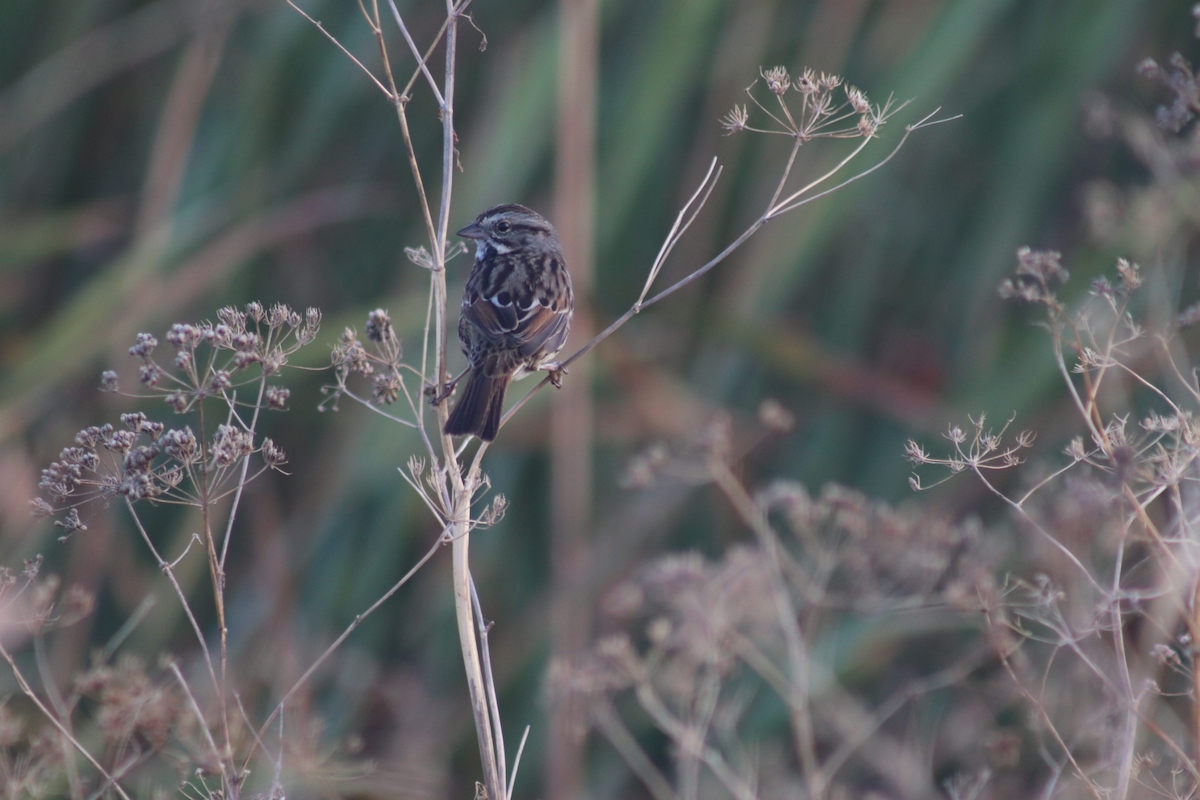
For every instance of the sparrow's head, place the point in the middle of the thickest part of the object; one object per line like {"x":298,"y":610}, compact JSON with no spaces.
{"x":504,"y":229}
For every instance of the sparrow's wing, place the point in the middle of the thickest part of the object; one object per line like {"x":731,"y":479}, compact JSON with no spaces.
{"x":511,"y":327}
{"x":521,"y":306}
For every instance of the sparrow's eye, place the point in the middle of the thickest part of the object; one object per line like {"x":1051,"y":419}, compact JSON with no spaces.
{"x":503,"y":227}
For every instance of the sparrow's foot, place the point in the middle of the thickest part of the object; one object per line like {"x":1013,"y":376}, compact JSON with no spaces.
{"x":556,"y":370}
{"x":436,"y":398}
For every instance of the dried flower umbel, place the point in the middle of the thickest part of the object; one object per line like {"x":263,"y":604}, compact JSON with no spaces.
{"x":1183,"y":83}
{"x":383,"y":363}
{"x":815,"y":109}
{"x":1112,"y":612}
{"x":696,"y":643}
{"x":212,"y":360}
{"x":145,"y":460}
{"x":223,"y":375}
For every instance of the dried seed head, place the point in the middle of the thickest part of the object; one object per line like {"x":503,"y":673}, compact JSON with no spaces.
{"x":220,"y":381}
{"x":232,"y":319}
{"x":778,"y":80}
{"x":272,"y":454}
{"x":40,"y":509}
{"x":857,"y":100}
{"x":243,"y":359}
{"x":385,"y":387}
{"x":180,"y":445}
{"x":143,"y":345}
{"x":184,"y":337}
{"x":108,"y":381}
{"x":1131,"y":276}
{"x":230,"y":444}
{"x":379,"y":326}
{"x":807,"y":84}
{"x":349,"y":354}
{"x":149,"y":375}
{"x":915,"y":453}
{"x":280,"y":315}
{"x":178,"y":401}
{"x":277,"y":397}
{"x":1037,"y":273}
{"x":70,"y":524}
{"x":735,"y":120}
{"x":31,"y":567}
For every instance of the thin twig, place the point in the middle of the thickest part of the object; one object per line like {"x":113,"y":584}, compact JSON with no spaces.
{"x":772,"y":212}
{"x":490,"y":686}
{"x":338,"y":641}
{"x":421,"y":59}
{"x":512,"y":780}
{"x":37,"y":701}
{"x":349,"y":55}
{"x":787,"y":619}
{"x":169,"y":571}
{"x":623,"y":742}
{"x":200,"y":720}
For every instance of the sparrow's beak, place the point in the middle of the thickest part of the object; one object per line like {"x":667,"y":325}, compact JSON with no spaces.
{"x":472,"y":231}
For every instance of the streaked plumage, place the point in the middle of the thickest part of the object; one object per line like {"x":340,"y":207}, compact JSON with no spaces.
{"x":516,"y":311}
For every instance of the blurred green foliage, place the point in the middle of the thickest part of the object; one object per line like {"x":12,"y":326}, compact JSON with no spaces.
{"x":161,"y":159}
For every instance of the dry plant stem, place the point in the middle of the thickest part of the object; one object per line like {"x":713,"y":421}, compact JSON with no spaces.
{"x":338,"y":641}
{"x":613,"y":729}
{"x":512,"y":778}
{"x":422,"y":60}
{"x":490,"y":685}
{"x":1195,"y":611}
{"x":116,"y":775}
{"x":1129,"y":734}
{"x":196,"y":710}
{"x":60,"y":708}
{"x":470,"y":646}
{"x":1131,"y":705}
{"x":1094,"y":427}
{"x":798,"y":685}
{"x":939,"y":680}
{"x":339,"y":46}
{"x":258,"y":742}
{"x":463,"y":491}
{"x":458,"y":501}
{"x":1062,"y":548}
{"x":218,"y":685}
{"x":653,"y":705}
{"x":704,"y":708}
{"x":773,"y":210}
{"x":400,"y":102}
{"x":241,"y":482}
{"x":54,"y":720}
{"x":169,"y":570}
{"x":1044,"y":714}
{"x":218,"y":582}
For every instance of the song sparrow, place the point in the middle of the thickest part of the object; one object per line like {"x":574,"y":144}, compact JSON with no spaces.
{"x":516,"y":312}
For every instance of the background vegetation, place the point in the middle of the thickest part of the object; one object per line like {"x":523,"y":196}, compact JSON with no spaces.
{"x":159,"y":160}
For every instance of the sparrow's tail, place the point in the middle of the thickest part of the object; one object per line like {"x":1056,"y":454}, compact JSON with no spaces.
{"x":479,"y":409}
